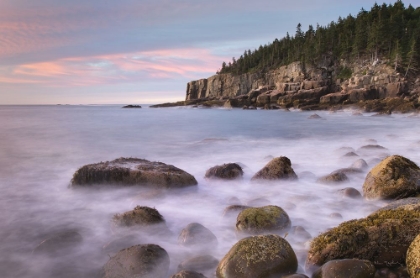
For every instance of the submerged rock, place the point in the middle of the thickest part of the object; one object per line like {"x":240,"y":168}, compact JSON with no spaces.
{"x":228,"y":171}
{"x":335,"y":177}
{"x":59,"y":242}
{"x":262,"y":220}
{"x":200,"y":263}
{"x":350,"y":192}
{"x":142,"y":216}
{"x":258,"y":256}
{"x":359,"y":164}
{"x":382,"y":238}
{"x":196,"y":234}
{"x":234,"y":210}
{"x":132,"y":106}
{"x":413,"y":258}
{"x":314,"y":116}
{"x":133,"y":171}
{"x":146,"y":261}
{"x":395,"y":177}
{"x":347,"y":268}
{"x":277,"y":168}
{"x":188,"y":274}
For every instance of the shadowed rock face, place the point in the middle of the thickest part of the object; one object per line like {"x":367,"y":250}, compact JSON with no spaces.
{"x":147,"y":261}
{"x":395,"y":177}
{"x":277,"y":168}
{"x":133,"y":171}
{"x":258,"y":256}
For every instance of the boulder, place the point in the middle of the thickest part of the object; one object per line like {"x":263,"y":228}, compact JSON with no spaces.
{"x":334,"y":98}
{"x":59,"y":242}
{"x":395,"y":177}
{"x":360,"y":164}
{"x":314,"y":116}
{"x":227,"y":171}
{"x":196,"y":234}
{"x":133,"y":171}
{"x":258,"y":256}
{"x":413,"y":258}
{"x":350,"y":192}
{"x":262,"y":220}
{"x":356,"y":95}
{"x":188,"y":274}
{"x":347,"y":268}
{"x":200,"y":263}
{"x":146,"y":261}
{"x":333,"y":178}
{"x":139,"y":216}
{"x":382,"y":238}
{"x":278,"y":168}
{"x":234,"y":210}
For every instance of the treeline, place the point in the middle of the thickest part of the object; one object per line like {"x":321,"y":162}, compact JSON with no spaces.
{"x":387,"y":31}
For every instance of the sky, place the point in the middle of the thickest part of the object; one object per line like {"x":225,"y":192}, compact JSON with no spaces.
{"x":138,"y":51}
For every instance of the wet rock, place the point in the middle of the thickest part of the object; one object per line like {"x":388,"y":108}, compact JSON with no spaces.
{"x":296,"y":276}
{"x":277,"y":168}
{"x":132,"y":106}
{"x":119,"y":243}
{"x":360,"y":164}
{"x":188,"y":274}
{"x":350,"y":154}
{"x":314,"y":116}
{"x":382,"y":238}
{"x":196,"y":234}
{"x":228,"y":171}
{"x":413,"y":258}
{"x":200,"y":263}
{"x":234,"y":210}
{"x":348,"y":171}
{"x":146,"y":261}
{"x":59,"y":242}
{"x":335,"y":177}
{"x":300,"y":233}
{"x":133,"y":171}
{"x":258,"y":256}
{"x":258,"y":202}
{"x":335,"y":215}
{"x":395,"y":177}
{"x":262,"y":220}
{"x":350,"y":192}
{"x":398,"y":272}
{"x":140,"y":215}
{"x":347,"y":268}
{"x":371,"y":147}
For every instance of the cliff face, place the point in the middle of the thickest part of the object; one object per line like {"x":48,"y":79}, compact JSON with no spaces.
{"x":296,"y":86}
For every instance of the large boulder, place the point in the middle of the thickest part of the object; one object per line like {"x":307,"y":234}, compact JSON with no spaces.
{"x":277,"y":168}
{"x":146,"y":261}
{"x":196,"y":234}
{"x":413,"y":258}
{"x":262,"y":220}
{"x":347,"y":268}
{"x":133,"y":171}
{"x":395,"y":177}
{"x":382,"y":238}
{"x":227,"y":171}
{"x":258,"y":257}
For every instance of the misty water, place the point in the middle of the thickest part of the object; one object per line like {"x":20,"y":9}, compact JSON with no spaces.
{"x":42,"y":146}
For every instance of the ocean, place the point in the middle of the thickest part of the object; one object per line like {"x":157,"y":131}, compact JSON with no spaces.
{"x":42,"y":146}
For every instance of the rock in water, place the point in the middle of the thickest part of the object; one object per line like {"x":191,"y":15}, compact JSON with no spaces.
{"x":196,"y":234}
{"x":146,"y":261}
{"x":395,"y":177}
{"x":133,"y":171}
{"x":413,"y":258}
{"x":333,"y":178}
{"x":382,"y":238}
{"x":59,"y":242}
{"x":278,"y":168}
{"x":261,"y":220}
{"x":200,"y":263}
{"x":258,"y":256}
{"x":347,"y":268}
{"x":141,"y":216}
{"x":227,"y":171}
{"x":188,"y":274}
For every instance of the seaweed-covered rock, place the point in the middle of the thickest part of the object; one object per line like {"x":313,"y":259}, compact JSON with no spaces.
{"x":200,"y":263}
{"x":188,"y":274}
{"x":413,"y":258}
{"x":133,"y":171}
{"x":258,"y":257}
{"x":335,"y":177}
{"x":395,"y":177}
{"x":140,"y":215}
{"x":196,"y":234}
{"x":227,"y":171}
{"x":347,"y":268}
{"x":59,"y":242}
{"x":277,"y":168}
{"x":146,"y":261}
{"x":382,"y":238}
{"x":262,"y":220}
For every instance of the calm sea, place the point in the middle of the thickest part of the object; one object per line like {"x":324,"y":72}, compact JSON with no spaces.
{"x":42,"y":146}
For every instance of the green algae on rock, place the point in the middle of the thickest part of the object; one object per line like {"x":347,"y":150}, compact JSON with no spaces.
{"x":260,"y":256}
{"x":395,"y":177}
{"x":277,"y":168}
{"x":262,"y":220}
{"x":413,"y":258}
{"x":133,"y":171}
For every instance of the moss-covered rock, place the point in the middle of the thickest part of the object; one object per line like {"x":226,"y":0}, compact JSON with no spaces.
{"x":413,"y":258}
{"x":395,"y":177}
{"x":258,"y":257}
{"x":146,"y":261}
{"x":227,"y":171}
{"x":132,"y":171}
{"x":196,"y":234}
{"x":262,"y":220}
{"x":142,"y":216}
{"x":382,"y":238}
{"x":347,"y":268}
{"x":277,"y":168}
